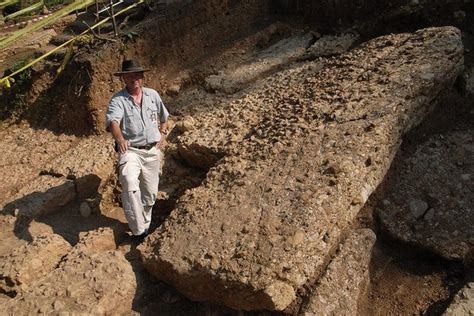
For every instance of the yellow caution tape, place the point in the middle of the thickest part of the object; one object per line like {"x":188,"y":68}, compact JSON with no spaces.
{"x":66,"y":58}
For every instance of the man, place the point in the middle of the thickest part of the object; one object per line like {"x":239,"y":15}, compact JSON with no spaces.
{"x":137,"y":119}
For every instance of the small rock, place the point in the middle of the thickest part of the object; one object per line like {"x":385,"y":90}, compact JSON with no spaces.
{"x":45,"y":10}
{"x":173,"y":90}
{"x":418,"y":207}
{"x":57,"y":305}
{"x":466,"y":177}
{"x":16,"y":212}
{"x":85,"y":209}
{"x":429,"y":215}
{"x":185,"y":125}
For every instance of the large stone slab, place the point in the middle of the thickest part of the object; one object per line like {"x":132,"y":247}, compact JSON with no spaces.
{"x":346,"y":280}
{"x":302,"y":155}
{"x":31,"y":262}
{"x":430,"y":201}
{"x":89,"y":283}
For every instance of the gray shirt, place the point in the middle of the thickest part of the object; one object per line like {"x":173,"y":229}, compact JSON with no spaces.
{"x":139,"y":125}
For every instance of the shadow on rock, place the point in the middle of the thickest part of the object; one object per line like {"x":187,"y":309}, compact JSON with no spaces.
{"x":64,"y":209}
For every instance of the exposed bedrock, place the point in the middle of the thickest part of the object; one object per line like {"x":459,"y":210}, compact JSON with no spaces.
{"x":303,"y":152}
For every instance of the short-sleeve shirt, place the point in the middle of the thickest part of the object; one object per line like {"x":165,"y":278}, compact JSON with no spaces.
{"x":139,"y":125}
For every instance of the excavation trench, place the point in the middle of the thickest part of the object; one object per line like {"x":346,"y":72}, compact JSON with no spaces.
{"x":405,"y":278}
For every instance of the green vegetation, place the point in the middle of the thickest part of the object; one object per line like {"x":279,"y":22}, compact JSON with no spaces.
{"x":18,"y":103}
{"x":23,"y":76}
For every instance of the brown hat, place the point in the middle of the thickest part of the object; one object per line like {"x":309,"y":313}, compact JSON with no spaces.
{"x":130,"y":66}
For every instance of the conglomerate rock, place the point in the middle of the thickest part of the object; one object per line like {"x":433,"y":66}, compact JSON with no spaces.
{"x":429,"y":202}
{"x":303,"y":152}
{"x":346,"y":279}
{"x":90,"y":283}
{"x":31,"y":262}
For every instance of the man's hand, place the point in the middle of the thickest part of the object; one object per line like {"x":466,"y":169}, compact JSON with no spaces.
{"x":122,"y":146}
{"x":117,"y":134}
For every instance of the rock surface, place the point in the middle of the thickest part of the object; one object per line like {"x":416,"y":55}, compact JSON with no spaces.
{"x":303,"y":152}
{"x":93,"y":283}
{"x":332,"y":45}
{"x":40,"y":196}
{"x":463,"y":303}
{"x":89,"y":164}
{"x":346,"y":279}
{"x":80,"y":172}
{"x":101,"y":239}
{"x":31,"y":262}
{"x":431,"y":200}
{"x":278,"y":55}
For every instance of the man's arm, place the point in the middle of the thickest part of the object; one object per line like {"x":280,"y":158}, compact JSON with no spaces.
{"x":118,"y":136}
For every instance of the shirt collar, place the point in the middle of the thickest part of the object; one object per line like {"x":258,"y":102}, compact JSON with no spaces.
{"x":128,"y":96}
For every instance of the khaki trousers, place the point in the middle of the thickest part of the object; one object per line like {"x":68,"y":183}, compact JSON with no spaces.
{"x":139,"y":177}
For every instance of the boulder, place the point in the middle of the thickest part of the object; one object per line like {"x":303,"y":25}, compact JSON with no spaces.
{"x":301,"y":156}
{"x":429,"y":202}
{"x":346,"y":280}
{"x":31,"y":262}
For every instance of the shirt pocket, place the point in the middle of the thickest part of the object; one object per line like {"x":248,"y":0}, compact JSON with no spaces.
{"x":131,"y":126}
{"x":152,"y":116}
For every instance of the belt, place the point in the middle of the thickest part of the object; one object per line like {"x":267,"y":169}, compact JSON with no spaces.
{"x":147,"y":147}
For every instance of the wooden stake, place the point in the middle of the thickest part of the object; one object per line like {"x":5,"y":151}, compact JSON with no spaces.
{"x":113,"y":17}
{"x":97,"y":18}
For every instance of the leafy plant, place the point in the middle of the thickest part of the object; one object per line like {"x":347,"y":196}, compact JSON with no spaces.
{"x":23,"y":76}
{"x":14,"y":100}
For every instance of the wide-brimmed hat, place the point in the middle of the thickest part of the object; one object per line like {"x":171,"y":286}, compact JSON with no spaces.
{"x":130,"y":66}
